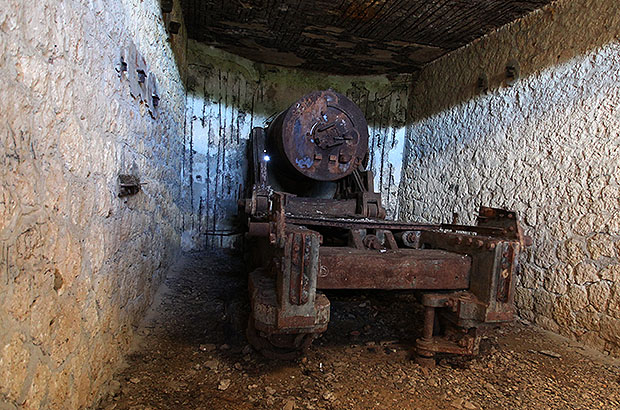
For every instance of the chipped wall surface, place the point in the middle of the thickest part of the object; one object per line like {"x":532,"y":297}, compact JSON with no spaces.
{"x":228,"y":96}
{"x":547,"y":146}
{"x":78,"y":265}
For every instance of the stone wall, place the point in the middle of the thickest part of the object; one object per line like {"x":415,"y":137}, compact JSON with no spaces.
{"x":528,"y":118}
{"x":78,"y":265}
{"x":229,"y":95}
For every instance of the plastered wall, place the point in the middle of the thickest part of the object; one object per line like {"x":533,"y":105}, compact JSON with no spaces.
{"x":78,"y":265}
{"x":545,"y":143}
{"x":228,"y":96}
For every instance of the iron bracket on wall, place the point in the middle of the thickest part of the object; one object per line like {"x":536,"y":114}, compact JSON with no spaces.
{"x":128,"y":185}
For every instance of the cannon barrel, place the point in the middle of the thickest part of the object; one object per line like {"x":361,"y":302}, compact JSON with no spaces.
{"x":323,"y":136}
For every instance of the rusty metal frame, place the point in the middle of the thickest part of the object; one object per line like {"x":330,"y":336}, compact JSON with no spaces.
{"x":465,"y":274}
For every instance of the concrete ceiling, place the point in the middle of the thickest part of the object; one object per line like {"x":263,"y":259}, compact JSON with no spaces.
{"x":348,"y":36}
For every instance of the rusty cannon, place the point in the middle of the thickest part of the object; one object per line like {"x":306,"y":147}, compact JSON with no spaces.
{"x":314,"y":222}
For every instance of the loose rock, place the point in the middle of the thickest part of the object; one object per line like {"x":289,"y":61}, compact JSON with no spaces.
{"x":289,"y":404}
{"x":208,"y":347}
{"x":550,"y":353}
{"x":469,"y":405}
{"x":224,"y":384}
{"x":329,"y":396}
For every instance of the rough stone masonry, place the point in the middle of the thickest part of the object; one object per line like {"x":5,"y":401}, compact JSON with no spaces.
{"x":78,"y":265}
{"x":528,"y":118}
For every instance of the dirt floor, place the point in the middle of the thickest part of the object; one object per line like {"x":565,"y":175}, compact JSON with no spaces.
{"x":192,"y":354}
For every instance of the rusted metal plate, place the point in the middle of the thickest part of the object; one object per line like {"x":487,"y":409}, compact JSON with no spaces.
{"x":356,"y":223}
{"x":269,"y":318}
{"x":507,"y":220}
{"x":468,"y":344}
{"x":347,"y":268}
{"x":504,"y":279}
{"x":378,"y":223}
{"x":258,"y":229}
{"x":462,"y":308}
{"x":323,"y":136}
{"x":259,"y":166}
{"x":299,"y":284}
{"x":495,"y":264}
{"x":318,"y":206}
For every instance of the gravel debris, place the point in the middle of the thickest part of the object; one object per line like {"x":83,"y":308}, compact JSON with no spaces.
{"x":195,"y":356}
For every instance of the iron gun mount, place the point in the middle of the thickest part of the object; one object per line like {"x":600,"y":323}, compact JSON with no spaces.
{"x":314,"y":222}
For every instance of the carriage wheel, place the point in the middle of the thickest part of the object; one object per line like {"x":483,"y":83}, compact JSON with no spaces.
{"x":279,"y":346}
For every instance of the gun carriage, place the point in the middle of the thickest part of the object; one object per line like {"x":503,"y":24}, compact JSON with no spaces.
{"x":314,"y":222}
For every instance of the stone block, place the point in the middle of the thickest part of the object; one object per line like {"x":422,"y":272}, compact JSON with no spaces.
{"x":588,"y":223}
{"x":601,"y":245}
{"x":59,"y":389}
{"x":610,"y":329}
{"x":544,"y":303}
{"x":531,"y":276}
{"x":527,"y":315}
{"x":613,"y":308}
{"x":19,"y":299}
{"x":38,"y":388}
{"x":588,"y":318}
{"x":524,"y":299}
{"x":563,"y":313}
{"x":593,"y":339}
{"x":573,"y":252}
{"x":611,"y":272}
{"x":42,"y":316}
{"x":556,"y":280}
{"x":578,"y":296}
{"x":598,"y":295}
{"x":66,"y":332}
{"x":547,"y":323}
{"x":14,"y":359}
{"x":586,"y":273}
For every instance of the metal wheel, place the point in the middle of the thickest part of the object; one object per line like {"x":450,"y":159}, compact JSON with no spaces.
{"x":278,"y":346}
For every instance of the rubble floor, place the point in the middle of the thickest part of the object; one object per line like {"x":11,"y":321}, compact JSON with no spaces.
{"x":191,"y":353}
